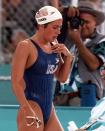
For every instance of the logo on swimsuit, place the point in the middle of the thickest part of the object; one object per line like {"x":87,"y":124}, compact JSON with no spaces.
{"x":51,"y":69}
{"x":57,"y":60}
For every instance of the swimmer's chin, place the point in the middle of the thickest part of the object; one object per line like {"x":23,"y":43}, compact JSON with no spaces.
{"x":54,"y":39}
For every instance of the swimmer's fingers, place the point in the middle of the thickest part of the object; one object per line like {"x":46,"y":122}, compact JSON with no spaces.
{"x":31,"y":120}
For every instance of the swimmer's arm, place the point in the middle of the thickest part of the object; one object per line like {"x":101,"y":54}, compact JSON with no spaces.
{"x":64,"y":69}
{"x":18,"y":66}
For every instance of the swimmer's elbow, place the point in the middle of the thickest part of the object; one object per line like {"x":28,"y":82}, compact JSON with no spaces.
{"x":62,"y":80}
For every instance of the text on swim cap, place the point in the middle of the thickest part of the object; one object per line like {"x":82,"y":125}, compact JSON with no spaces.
{"x":42,"y":19}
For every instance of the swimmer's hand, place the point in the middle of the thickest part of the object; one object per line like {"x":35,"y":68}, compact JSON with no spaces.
{"x":34,"y":120}
{"x":31,"y":117}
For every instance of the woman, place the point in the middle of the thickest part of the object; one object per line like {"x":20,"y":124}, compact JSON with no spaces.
{"x":36,"y":61}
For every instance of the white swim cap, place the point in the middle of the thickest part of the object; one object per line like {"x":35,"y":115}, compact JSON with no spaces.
{"x":47,"y":14}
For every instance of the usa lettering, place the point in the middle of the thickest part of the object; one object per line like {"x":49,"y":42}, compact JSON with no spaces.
{"x":51,"y":69}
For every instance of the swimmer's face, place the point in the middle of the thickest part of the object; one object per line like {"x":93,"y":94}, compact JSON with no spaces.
{"x":52,"y":30}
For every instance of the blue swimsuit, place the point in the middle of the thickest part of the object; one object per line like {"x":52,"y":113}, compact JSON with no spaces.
{"x":39,"y":80}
